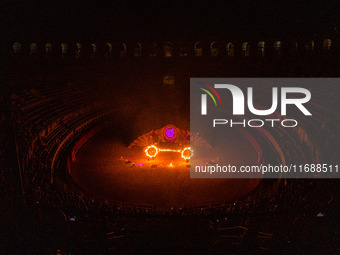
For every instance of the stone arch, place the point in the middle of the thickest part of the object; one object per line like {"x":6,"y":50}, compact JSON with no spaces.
{"x":33,"y":48}
{"x":109,"y":45}
{"x":198,"y":49}
{"x":123,"y":50}
{"x":277,"y":47}
{"x":230,"y":49}
{"x":213,"y":49}
{"x":245,"y":49}
{"x":153,"y":50}
{"x":48,"y":50}
{"x":168,"y":48}
{"x":260,"y":48}
{"x":137,"y":51}
{"x":327,"y":44}
{"x":64,"y":49}
{"x":108,"y":52}
{"x":94,"y":50}
{"x":78,"y":51}
{"x":17,"y":47}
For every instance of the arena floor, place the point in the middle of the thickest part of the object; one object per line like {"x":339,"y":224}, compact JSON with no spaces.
{"x":107,"y":169}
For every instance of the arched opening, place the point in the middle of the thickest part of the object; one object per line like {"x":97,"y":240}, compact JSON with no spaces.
{"x":33,"y":49}
{"x":153,"y":50}
{"x":213,"y":49}
{"x":64,"y":49}
{"x":168,"y":49}
{"x":48,"y":50}
{"x":93,"y":50}
{"x":16,"y":47}
{"x":260,"y":48}
{"x":198,"y":49}
{"x":245,"y":49}
{"x":108,"y":51}
{"x":277,"y":48}
{"x":122,"y":51}
{"x":327,"y":44}
{"x":230,"y":49}
{"x":78,"y":50}
{"x":137,"y":51}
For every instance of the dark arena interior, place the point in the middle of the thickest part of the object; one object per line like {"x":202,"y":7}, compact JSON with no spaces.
{"x":74,"y":103}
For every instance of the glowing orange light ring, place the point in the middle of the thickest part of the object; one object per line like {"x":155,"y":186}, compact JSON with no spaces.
{"x":147,"y":151}
{"x":191,"y":153}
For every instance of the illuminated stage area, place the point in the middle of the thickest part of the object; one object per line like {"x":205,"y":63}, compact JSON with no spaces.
{"x":105,"y":167}
{"x":169,"y":139}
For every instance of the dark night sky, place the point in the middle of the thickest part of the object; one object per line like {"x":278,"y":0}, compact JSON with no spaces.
{"x":164,"y":20}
